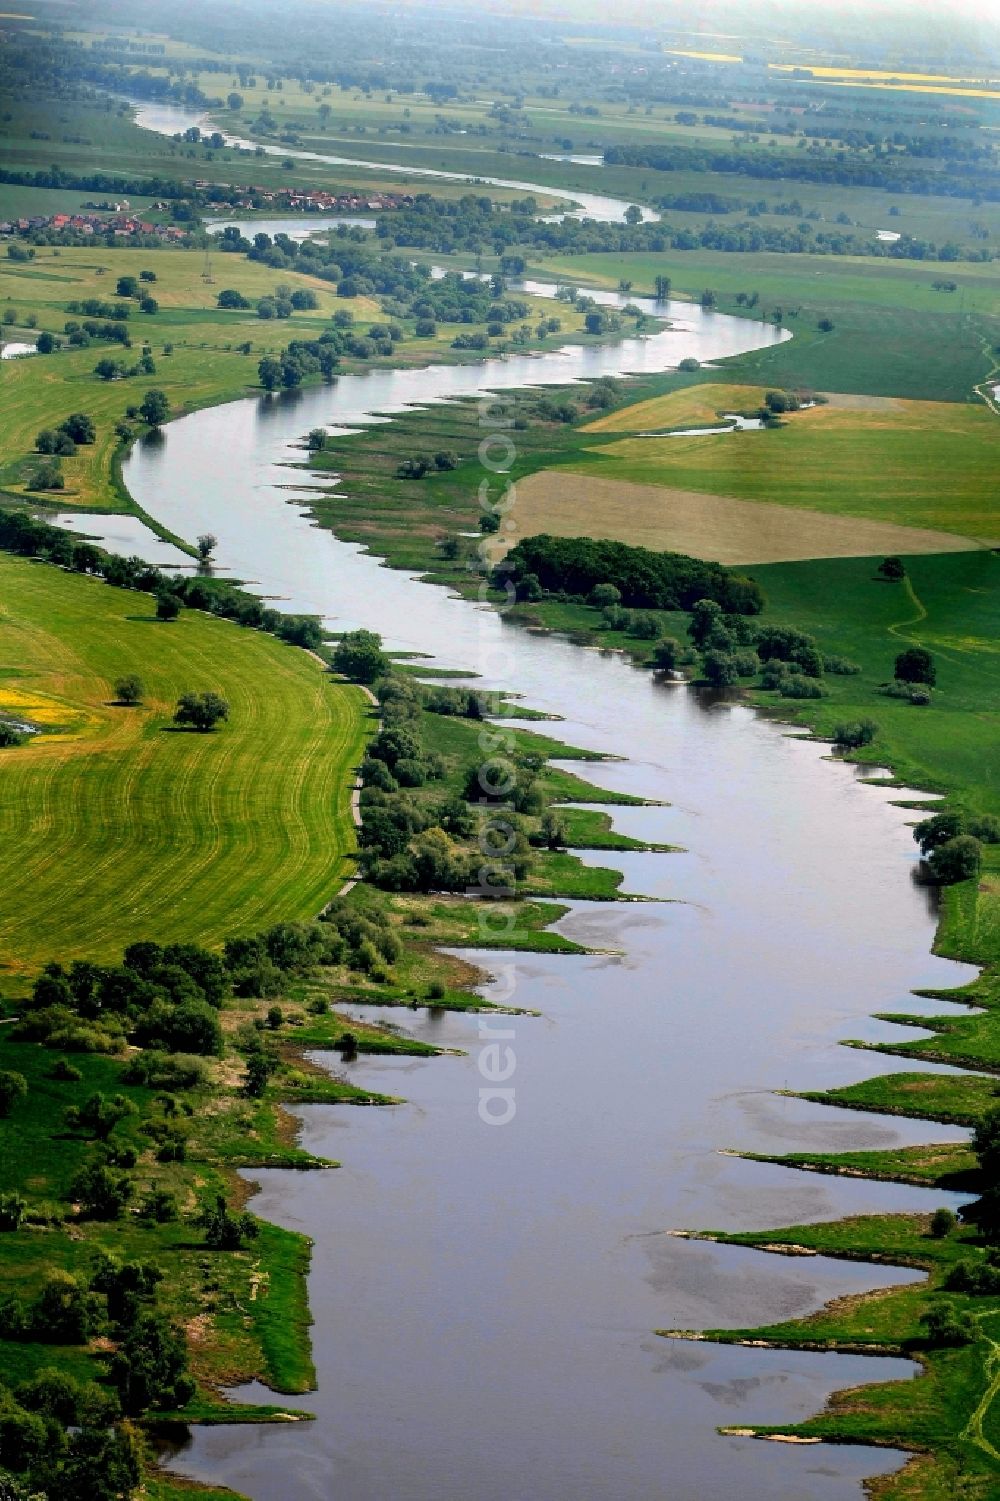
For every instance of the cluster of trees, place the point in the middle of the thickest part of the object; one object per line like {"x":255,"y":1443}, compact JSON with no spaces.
{"x":54,"y":444}
{"x":302,"y":358}
{"x":890,"y":171}
{"x":476,"y":225}
{"x":418,"y":843}
{"x":572,"y":567}
{"x":952,"y":843}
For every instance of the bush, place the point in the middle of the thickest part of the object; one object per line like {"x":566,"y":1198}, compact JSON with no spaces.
{"x":947,"y":1327}
{"x":841,"y":666}
{"x":167,"y":606}
{"x":603,"y":595}
{"x":666,"y":654}
{"x":891,"y":568}
{"x":855,"y":733}
{"x":796,"y":685}
{"x":943,"y":1223}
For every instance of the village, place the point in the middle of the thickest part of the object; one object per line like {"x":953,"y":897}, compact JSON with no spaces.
{"x":116,"y":217}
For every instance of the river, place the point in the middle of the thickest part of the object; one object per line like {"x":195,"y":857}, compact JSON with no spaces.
{"x":172,"y":119}
{"x":484,"y":1298}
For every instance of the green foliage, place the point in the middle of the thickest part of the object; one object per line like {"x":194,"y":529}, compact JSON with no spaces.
{"x":13,"y":1087}
{"x":359,"y":657}
{"x":956,"y":860}
{"x":224,"y":1230}
{"x":201,"y":711}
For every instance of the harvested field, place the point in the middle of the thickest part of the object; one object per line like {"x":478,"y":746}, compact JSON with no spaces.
{"x":707,"y":526}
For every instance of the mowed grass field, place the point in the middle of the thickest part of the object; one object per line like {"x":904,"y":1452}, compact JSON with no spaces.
{"x":922,"y":464}
{"x":120,"y":827}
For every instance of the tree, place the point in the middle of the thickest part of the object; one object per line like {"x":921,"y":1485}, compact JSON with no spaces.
{"x":931,"y":833}
{"x":149,"y":1368}
{"x":603,"y":595}
{"x":891,"y":568}
{"x":708,"y":299}
{"x":721,"y":669}
{"x":358,"y":656}
{"x":269,"y":372}
{"x":957,"y":860}
{"x":45,"y":442}
{"x":316,"y":439}
{"x":147,"y":276}
{"x":154,"y":407}
{"x":109,"y":369}
{"x":706,"y":616}
{"x":666,"y":654}
{"x":99,"y":1115}
{"x":206,"y":546}
{"x":633,"y":215}
{"x":225,"y":1231}
{"x":825,"y":325}
{"x":101,"y":1191}
{"x":80,"y":427}
{"x":662,"y":288}
{"x":47,"y":343}
{"x":202,"y":711}
{"x":260,"y":1067}
{"x":916,"y":665}
{"x":129,"y":689}
{"x":167,"y":606}
{"x":127,"y":286}
{"x":235,"y":102}
{"x":13,"y":1087}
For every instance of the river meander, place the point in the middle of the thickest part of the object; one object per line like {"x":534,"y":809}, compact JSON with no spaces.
{"x":484,"y":1298}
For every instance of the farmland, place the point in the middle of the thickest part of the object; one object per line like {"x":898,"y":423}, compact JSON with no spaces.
{"x":116,"y":827}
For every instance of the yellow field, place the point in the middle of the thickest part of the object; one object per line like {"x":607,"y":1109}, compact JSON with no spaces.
{"x":914,"y":463}
{"x":873,"y":75}
{"x":694,"y":406}
{"x":715,"y":527}
{"x":113,"y":826}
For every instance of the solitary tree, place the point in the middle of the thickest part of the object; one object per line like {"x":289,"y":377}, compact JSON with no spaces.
{"x":167,"y":606}
{"x":316,"y":439}
{"x":891,"y":568}
{"x":359,"y":656}
{"x":916,"y":665}
{"x":202,"y":711}
{"x":225,"y":1231}
{"x":80,"y":427}
{"x":206,"y":546}
{"x":154,"y":407}
{"x":129,"y":689}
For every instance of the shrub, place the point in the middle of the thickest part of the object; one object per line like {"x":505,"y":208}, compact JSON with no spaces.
{"x":167,"y":606}
{"x":841,"y":666}
{"x":891,"y":568}
{"x":225,"y":1231}
{"x":666,"y":654}
{"x":948,"y":1327}
{"x":603,"y":595}
{"x":13,"y":1209}
{"x":855,"y":733}
{"x":943,"y":1223}
{"x":795,"y":685}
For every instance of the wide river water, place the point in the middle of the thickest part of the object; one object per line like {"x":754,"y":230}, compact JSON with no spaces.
{"x":485,"y":1297}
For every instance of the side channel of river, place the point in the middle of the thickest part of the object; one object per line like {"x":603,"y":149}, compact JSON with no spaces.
{"x":484,"y":1296}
